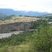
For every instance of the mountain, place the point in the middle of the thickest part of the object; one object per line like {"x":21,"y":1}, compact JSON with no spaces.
{"x":23,"y":13}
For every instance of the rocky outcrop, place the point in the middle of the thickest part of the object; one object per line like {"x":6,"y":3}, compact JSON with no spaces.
{"x":18,"y":26}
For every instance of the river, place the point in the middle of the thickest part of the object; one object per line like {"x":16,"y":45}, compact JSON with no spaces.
{"x":6,"y":35}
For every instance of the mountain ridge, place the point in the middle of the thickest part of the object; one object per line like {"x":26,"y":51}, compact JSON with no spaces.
{"x":23,"y":13}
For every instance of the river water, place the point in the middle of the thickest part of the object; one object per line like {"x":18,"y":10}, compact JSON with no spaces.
{"x":6,"y":35}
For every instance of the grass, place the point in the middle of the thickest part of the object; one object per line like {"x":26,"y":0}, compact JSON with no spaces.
{"x":17,"y":48}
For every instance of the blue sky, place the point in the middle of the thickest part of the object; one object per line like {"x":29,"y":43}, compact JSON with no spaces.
{"x":28,"y":5}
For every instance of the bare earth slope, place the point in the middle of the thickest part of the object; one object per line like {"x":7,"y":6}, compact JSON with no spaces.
{"x":19,"y":19}
{"x":15,"y":25}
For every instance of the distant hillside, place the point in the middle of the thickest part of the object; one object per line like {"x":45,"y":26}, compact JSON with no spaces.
{"x":23,"y":13}
{"x":18,"y":19}
{"x":9,"y":13}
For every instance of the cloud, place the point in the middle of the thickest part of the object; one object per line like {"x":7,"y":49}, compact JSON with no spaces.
{"x":28,"y":5}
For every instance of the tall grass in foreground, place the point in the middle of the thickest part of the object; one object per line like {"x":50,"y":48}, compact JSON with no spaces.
{"x":39,"y":40}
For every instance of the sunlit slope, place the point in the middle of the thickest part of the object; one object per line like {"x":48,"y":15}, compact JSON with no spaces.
{"x":18,"y":19}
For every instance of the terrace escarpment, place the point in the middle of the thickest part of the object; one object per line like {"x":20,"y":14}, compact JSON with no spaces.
{"x":16,"y":24}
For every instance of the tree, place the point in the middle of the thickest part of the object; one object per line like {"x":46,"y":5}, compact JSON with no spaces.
{"x":42,"y":41}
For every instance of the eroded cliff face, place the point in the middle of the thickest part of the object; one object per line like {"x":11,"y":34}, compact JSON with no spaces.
{"x":18,"y":26}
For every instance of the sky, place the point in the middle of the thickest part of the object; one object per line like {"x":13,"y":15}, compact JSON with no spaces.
{"x":28,"y":5}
